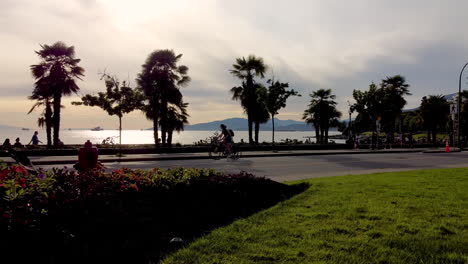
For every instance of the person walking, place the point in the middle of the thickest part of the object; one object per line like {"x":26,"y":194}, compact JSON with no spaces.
{"x":35,"y":139}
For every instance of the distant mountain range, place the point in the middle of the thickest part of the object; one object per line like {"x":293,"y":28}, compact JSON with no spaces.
{"x":240,"y":124}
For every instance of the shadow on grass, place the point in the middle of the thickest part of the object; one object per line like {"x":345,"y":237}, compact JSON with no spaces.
{"x":138,"y":227}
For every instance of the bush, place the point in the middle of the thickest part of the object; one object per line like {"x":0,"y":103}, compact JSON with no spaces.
{"x":70,"y":217}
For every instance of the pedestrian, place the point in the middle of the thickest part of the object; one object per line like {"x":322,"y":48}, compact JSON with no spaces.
{"x":18,"y":143}
{"x":35,"y":139}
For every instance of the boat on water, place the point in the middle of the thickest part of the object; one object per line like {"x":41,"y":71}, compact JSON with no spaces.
{"x":98,"y":128}
{"x":25,"y":129}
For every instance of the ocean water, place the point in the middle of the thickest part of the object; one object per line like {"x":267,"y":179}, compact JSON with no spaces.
{"x":146,"y":136}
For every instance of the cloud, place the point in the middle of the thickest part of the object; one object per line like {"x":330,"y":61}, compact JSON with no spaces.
{"x":311,"y":44}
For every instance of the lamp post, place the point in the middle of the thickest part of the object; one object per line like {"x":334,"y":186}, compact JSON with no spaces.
{"x":349,"y":122}
{"x":458,"y":105}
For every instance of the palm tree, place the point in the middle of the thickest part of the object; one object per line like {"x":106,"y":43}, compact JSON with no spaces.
{"x":160,"y":80}
{"x":246,"y":70}
{"x":394,"y":89}
{"x":177,"y":119}
{"x":322,"y":113}
{"x":58,"y":71}
{"x":435,"y":111}
{"x":46,"y":116}
{"x":369,"y":106}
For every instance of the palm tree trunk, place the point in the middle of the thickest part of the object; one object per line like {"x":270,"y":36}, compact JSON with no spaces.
{"x":120,"y":130}
{"x":57,"y":103}
{"x":169,"y":137}
{"x":273,"y":130}
{"x":257,"y":129}
{"x":249,"y":119}
{"x":48,"y":123}
{"x":163,"y":122}
{"x":434,"y":135}
{"x":429,"y":135}
{"x":155,"y":121}
{"x":155,"y":132}
{"x":317,"y":133}
{"x":322,"y":134}
{"x":326,"y":134}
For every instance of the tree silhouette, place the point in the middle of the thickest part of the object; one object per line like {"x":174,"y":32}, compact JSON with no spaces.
{"x":322,"y":113}
{"x":119,"y":99}
{"x":177,"y":119}
{"x":57,"y":71}
{"x":274,"y":98}
{"x":160,"y":80}
{"x":246,"y":70}
{"x":435,"y":111}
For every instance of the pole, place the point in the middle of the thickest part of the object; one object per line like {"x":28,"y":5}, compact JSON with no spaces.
{"x":458,"y":105}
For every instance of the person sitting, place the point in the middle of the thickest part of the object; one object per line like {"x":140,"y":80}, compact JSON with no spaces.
{"x":6,"y":144}
{"x":18,"y":143}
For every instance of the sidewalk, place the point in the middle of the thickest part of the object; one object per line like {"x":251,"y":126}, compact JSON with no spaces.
{"x":52,"y":160}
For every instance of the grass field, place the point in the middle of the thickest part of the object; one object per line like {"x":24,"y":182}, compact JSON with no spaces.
{"x":404,"y":217}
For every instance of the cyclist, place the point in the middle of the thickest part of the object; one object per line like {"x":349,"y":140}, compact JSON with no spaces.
{"x":226,"y":138}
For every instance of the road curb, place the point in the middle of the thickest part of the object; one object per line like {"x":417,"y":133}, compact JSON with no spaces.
{"x":110,"y":160}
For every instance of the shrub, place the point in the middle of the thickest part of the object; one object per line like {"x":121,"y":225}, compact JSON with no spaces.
{"x":123,"y":215}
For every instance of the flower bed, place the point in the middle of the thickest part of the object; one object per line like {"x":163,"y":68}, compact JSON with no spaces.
{"x":62,"y":216}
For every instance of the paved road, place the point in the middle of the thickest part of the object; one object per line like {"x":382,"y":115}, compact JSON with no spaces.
{"x":302,"y":167}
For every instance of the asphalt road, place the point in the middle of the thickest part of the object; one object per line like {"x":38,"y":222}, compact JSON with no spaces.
{"x":303,"y":167}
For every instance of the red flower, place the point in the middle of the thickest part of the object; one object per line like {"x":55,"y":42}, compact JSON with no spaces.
{"x":22,"y":182}
{"x":20,"y":169}
{"x":4,"y":173}
{"x":6,"y":215}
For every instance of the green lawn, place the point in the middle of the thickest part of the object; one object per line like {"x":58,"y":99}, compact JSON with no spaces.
{"x":404,"y":217}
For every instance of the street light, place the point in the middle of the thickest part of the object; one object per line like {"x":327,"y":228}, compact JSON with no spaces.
{"x":349,"y":122}
{"x":459,"y":103}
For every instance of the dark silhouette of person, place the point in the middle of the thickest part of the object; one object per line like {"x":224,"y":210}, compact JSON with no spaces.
{"x":35,"y":139}
{"x":226,"y":137}
{"x":18,"y":143}
{"x":6,"y":144}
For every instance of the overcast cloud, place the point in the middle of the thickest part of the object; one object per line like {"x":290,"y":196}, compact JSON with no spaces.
{"x":342,"y":45}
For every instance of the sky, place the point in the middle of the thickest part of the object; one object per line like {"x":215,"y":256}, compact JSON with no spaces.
{"x":312,"y":44}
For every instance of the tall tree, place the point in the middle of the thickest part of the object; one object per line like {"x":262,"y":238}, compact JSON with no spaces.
{"x":247,"y":70}
{"x":119,"y":99}
{"x":394,"y":89}
{"x":369,"y":106}
{"x":274,"y":97}
{"x":435,"y":112}
{"x":160,"y":80}
{"x":258,"y":112}
{"x":58,"y":70}
{"x":322,"y":113}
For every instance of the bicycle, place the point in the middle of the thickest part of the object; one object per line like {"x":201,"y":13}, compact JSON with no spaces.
{"x":218,"y":149}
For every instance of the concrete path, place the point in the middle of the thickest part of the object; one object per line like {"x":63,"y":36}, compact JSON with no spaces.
{"x":55,"y":160}
{"x":287,"y":168}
